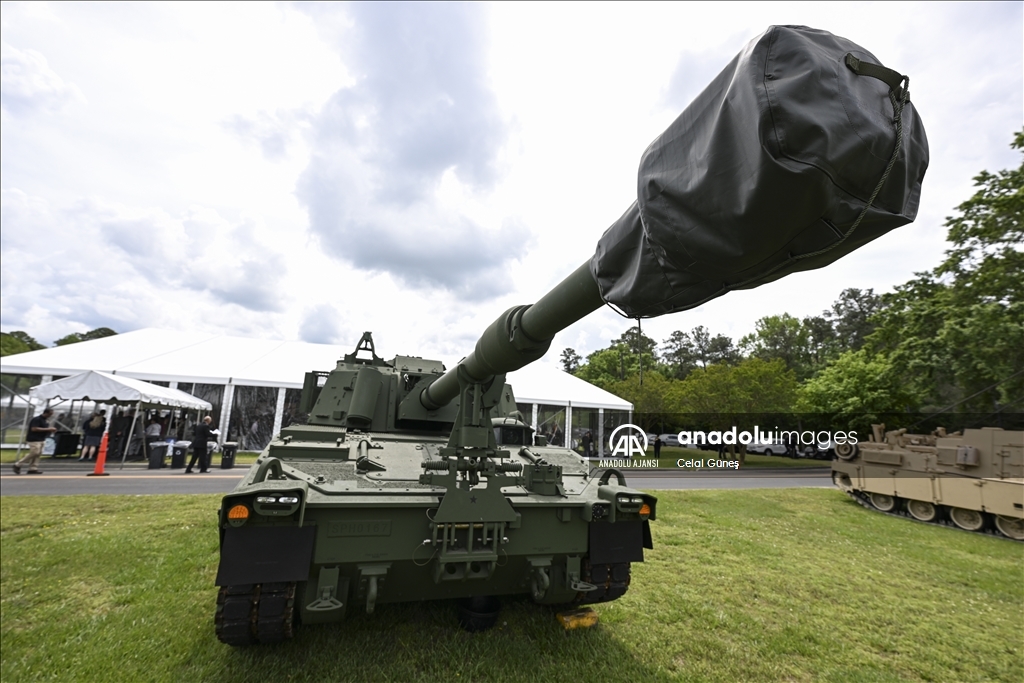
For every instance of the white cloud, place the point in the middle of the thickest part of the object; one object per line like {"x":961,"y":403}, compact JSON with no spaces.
{"x":274,"y":132}
{"x":29,"y":86}
{"x":419,"y":116}
{"x":320,"y":325}
{"x":96,"y":263}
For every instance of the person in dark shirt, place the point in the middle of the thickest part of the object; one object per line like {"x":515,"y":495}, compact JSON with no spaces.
{"x":92,"y":430}
{"x":38,"y":429}
{"x":588,"y":445}
{"x":200,"y":450}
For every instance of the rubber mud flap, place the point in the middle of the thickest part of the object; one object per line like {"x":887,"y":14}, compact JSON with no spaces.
{"x":648,"y":541}
{"x":615,"y":543}
{"x":265,"y":554}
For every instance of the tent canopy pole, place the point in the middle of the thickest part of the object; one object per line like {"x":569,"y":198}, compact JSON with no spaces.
{"x":29,"y":409}
{"x":131,"y":432}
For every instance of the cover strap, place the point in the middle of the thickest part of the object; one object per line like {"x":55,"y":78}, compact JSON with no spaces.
{"x":891,"y":78}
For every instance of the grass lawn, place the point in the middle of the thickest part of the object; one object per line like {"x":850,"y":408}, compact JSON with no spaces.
{"x":244,"y":457}
{"x":762,"y":585}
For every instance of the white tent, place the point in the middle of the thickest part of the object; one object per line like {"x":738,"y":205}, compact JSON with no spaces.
{"x":181,"y":356}
{"x":541,"y":384}
{"x":100,"y":387}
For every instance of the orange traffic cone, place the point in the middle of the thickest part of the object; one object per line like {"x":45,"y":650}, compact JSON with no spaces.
{"x":101,"y":459}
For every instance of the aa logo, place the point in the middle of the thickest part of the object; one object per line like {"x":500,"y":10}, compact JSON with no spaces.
{"x":627,"y":440}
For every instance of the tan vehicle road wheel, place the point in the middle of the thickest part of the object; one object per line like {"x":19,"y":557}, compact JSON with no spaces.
{"x":1011,"y":527}
{"x":921,"y":510}
{"x":970,"y":520}
{"x":883,"y":502}
{"x":846,"y":451}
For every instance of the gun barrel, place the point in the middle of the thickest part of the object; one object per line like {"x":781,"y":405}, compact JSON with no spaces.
{"x":520,"y":335}
{"x":740,"y":190}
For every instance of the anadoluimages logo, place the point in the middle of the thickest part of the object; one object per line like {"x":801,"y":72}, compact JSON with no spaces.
{"x":627,"y":443}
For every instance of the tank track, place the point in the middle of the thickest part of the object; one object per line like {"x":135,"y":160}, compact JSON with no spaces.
{"x":612,"y":581}
{"x":940,"y":520}
{"x":255,"y":613}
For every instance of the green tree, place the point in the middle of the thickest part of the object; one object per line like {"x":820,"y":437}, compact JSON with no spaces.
{"x":614,"y":364}
{"x":821,"y":340}
{"x":652,"y":401}
{"x":571,"y":361}
{"x":955,"y":335}
{"x":636,"y":342}
{"x":851,"y":316}
{"x":76,"y":337}
{"x":685,"y":351}
{"x":603,"y":367}
{"x":752,"y":386}
{"x":17,"y":342}
{"x":679,"y":354}
{"x":784,"y":338}
{"x":27,"y":339}
{"x":855,"y":389}
{"x":620,"y":360}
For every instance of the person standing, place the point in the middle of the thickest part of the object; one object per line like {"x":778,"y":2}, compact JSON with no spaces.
{"x":38,"y":429}
{"x":657,"y":446}
{"x":588,"y":445}
{"x":92,"y":430}
{"x":153,"y":430}
{"x":200,"y":449}
{"x":119,"y":425}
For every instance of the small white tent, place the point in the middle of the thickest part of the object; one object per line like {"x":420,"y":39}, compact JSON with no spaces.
{"x":99,"y":387}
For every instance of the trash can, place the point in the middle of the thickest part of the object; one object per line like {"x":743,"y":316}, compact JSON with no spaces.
{"x":65,"y":443}
{"x":157,"y":453}
{"x":179,"y":454}
{"x":227,"y":454}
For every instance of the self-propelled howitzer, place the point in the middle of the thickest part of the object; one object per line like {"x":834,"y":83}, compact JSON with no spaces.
{"x":379,"y":499}
{"x":412,"y":483}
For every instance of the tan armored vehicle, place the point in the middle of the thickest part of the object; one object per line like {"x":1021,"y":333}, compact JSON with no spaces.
{"x":974,"y":481}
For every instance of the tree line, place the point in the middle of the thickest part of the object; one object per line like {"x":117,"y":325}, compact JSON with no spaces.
{"x":19,"y":341}
{"x":949,"y":339}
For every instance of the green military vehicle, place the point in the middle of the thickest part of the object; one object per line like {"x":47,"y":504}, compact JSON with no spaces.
{"x":414,"y":483}
{"x":973,"y":481}
{"x":379,"y":499}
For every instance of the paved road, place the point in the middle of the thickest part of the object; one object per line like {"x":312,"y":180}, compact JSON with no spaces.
{"x":69,"y":477}
{"x":62,"y":478}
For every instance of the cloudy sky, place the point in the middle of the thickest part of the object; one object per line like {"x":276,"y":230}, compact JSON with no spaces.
{"x":310,"y":172}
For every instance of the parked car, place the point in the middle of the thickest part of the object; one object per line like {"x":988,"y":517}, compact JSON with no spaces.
{"x":779,"y":447}
{"x":669,"y":439}
{"x":775,"y":448}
